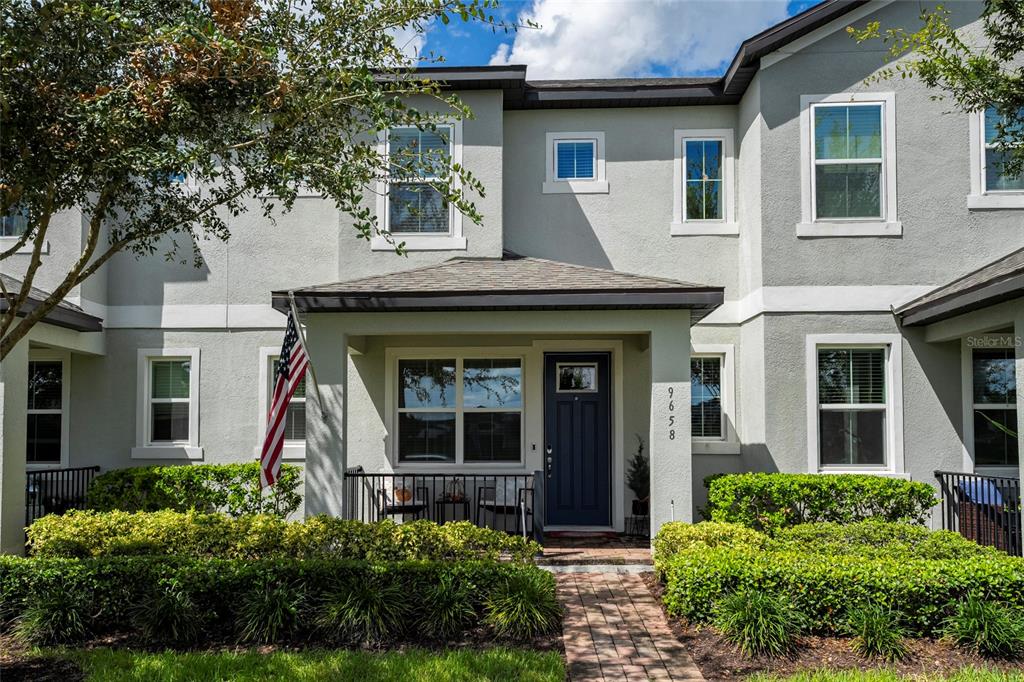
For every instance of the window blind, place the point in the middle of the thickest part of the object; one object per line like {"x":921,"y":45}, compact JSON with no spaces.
{"x":575,"y":160}
{"x":851,"y":376}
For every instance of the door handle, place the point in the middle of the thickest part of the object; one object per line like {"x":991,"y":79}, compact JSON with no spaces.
{"x":550,"y":459}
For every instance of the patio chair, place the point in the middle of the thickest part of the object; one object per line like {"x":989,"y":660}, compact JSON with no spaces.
{"x":511,"y":496}
{"x":399,"y":498}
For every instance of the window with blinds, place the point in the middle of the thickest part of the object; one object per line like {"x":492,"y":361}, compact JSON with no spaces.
{"x":169,"y":400}
{"x":848,"y":164}
{"x":417,"y":159}
{"x":852,"y":403}
{"x":996,"y":179}
{"x":706,"y":421}
{"x":295,"y":417}
{"x":995,"y":407}
{"x":575,"y":159}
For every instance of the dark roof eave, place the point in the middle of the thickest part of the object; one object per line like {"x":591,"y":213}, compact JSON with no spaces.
{"x":702,"y":301}
{"x":61,"y":317}
{"x":962,"y":302}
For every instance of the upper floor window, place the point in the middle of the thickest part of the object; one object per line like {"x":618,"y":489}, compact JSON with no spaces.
{"x":15,"y":222}
{"x":991,"y":185}
{"x":703,"y":183}
{"x":854,"y":399}
{"x":411,"y":207}
{"x":849,"y":170}
{"x":575,"y":163}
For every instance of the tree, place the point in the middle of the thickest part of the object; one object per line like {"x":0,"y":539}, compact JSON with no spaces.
{"x":975,"y":76}
{"x":107,"y":105}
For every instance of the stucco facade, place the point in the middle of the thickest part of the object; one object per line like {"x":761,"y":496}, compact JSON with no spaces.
{"x":784,"y":291}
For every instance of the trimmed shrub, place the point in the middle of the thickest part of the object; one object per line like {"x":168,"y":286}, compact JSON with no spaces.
{"x":230,"y":488}
{"x":874,"y":537}
{"x":107,"y":594}
{"x":676,"y":537}
{"x":769,"y":502}
{"x":986,"y":627}
{"x":824,"y":587}
{"x":877,"y":633}
{"x":98,"y":534}
{"x":758,"y":623}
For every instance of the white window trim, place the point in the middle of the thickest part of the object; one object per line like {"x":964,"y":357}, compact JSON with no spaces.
{"x":729,"y":444}
{"x":893,"y":343}
{"x":8,"y":242}
{"x":886,"y":226}
{"x":726,"y":225}
{"x":64,"y":358}
{"x":980,"y":199}
{"x":144,"y":449}
{"x":453,"y":240}
{"x":968,"y":345}
{"x":293,"y":449}
{"x":597,"y":185}
{"x":393,"y":355}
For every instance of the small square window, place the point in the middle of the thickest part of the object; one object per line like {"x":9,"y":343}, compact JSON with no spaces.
{"x":575,"y":163}
{"x":577,"y":378}
{"x":575,"y":159}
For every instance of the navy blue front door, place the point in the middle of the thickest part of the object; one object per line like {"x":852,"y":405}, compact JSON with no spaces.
{"x":577,"y":448}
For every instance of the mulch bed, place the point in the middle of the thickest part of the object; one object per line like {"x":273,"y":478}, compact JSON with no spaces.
{"x":718,"y":659}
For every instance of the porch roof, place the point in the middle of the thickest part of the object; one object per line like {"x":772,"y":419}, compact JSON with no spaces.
{"x":64,"y":314}
{"x":508,"y":283}
{"x":998,"y":281}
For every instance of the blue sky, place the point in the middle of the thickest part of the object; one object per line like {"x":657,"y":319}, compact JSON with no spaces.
{"x":611,"y":38}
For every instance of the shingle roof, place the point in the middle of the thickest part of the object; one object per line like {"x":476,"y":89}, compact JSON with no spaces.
{"x":64,"y":314}
{"x":998,"y":281}
{"x":511,"y":282}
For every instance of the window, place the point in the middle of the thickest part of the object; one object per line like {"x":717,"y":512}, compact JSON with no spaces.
{"x":703,"y":183}
{"x":577,"y":378}
{"x":410,"y":206}
{"x":994,"y":405}
{"x":575,"y":163}
{"x":168,"y":396}
{"x":295,"y":419}
{"x":706,"y":397}
{"x":855,"y":402}
{"x":458,"y":410}
{"x":849,"y":174}
{"x":47,"y":420}
{"x":991,"y":186}
{"x":14,"y":223}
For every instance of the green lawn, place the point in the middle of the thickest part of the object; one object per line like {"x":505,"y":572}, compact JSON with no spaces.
{"x":965,"y":675}
{"x":105,"y":665}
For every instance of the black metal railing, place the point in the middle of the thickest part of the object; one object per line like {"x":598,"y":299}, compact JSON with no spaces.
{"x":509,"y":502}
{"x":986,"y":509}
{"x":55,"y":491}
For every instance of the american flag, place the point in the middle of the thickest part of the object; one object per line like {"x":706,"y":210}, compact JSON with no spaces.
{"x":291,"y":367}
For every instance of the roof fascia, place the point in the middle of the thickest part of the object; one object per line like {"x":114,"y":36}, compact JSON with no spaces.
{"x":964,"y":302}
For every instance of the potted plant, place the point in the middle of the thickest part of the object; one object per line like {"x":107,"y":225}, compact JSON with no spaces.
{"x":638,"y":478}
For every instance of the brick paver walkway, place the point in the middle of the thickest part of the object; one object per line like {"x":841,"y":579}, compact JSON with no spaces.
{"x":615,"y":630}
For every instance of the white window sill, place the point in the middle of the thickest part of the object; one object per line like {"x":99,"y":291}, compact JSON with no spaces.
{"x":983,"y":202}
{"x":289,"y":453}
{"x":708,"y":227}
{"x":488,"y":468}
{"x":575,"y":187}
{"x":418,"y":242}
{"x":167,"y":452}
{"x":849,"y":229}
{"x":715,"y":447}
{"x":873,"y":472}
{"x":8,"y":242}
{"x":44,"y":466}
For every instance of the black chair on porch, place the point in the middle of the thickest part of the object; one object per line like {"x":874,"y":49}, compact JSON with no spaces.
{"x":505,"y":496}
{"x":402,"y":497}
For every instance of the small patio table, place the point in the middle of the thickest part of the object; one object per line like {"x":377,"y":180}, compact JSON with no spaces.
{"x":440,"y":506}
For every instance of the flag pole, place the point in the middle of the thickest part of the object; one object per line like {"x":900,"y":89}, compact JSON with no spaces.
{"x":302,"y":340}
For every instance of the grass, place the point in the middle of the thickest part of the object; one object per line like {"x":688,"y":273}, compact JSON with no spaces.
{"x":107,"y":665}
{"x":965,"y":675}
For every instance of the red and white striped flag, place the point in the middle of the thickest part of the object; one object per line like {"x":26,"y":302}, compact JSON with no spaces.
{"x":291,"y":367}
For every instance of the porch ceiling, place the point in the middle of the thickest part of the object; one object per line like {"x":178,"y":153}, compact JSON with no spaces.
{"x":998,"y":281}
{"x":508,"y":283}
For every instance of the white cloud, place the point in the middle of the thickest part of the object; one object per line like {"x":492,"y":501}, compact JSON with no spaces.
{"x":410,"y":41}
{"x":610,"y":38}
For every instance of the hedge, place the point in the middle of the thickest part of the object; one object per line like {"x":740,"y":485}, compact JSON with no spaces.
{"x":231,"y":488}
{"x":108,"y":595}
{"x":772,"y":501}
{"x":826,"y":587}
{"x":97,"y":534}
{"x":676,"y":537}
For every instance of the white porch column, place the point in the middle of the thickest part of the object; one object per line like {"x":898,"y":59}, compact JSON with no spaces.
{"x":671,"y":463}
{"x":13,"y":429}
{"x":326,"y":422}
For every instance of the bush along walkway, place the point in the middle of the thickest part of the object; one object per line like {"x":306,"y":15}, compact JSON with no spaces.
{"x":613,"y":629}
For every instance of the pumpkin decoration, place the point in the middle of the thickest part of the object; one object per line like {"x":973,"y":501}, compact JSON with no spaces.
{"x":403,"y":494}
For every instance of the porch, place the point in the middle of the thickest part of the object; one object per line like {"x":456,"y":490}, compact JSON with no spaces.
{"x":509,"y":392}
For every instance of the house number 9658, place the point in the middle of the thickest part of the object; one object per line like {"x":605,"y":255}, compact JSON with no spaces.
{"x":671,"y":409}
